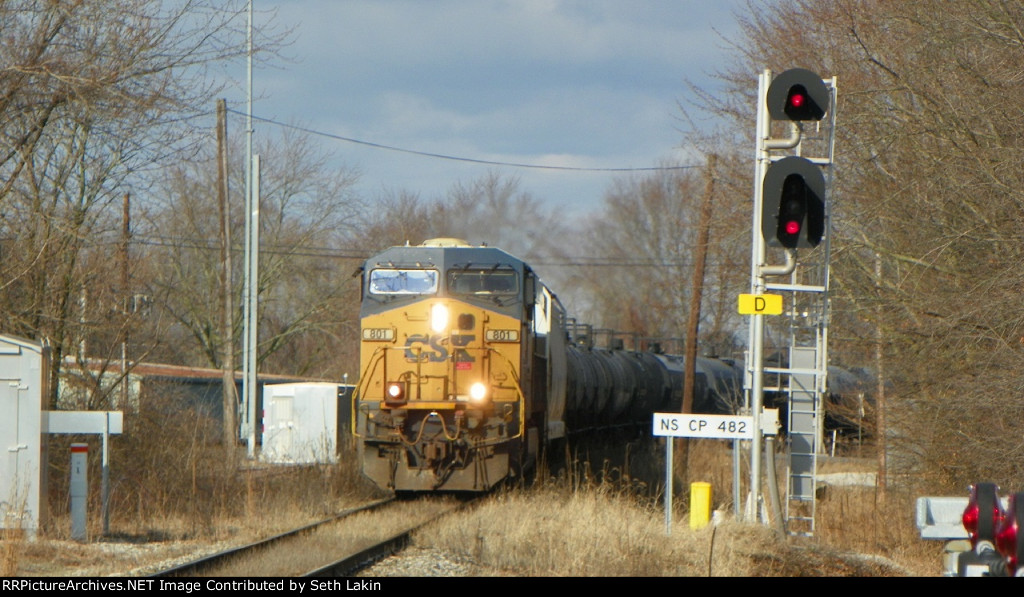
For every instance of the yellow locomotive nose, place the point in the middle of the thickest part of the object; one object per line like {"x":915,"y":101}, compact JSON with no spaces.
{"x":440,"y":401}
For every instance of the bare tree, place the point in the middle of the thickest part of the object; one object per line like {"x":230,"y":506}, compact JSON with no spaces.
{"x":491,"y":209}
{"x":307,"y":210}
{"x":639,"y":258}
{"x":93,"y":96}
{"x":927,"y":211}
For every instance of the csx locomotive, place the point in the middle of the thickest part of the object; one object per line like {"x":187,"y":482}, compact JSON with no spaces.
{"x":470,"y":368}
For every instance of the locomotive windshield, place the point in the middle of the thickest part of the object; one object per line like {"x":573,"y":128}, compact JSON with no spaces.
{"x":501,"y":282}
{"x":403,"y":281}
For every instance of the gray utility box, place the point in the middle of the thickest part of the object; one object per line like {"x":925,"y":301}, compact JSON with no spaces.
{"x":23,"y":374}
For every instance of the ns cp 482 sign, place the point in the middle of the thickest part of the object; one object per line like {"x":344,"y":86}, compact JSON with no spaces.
{"x":710,"y":426}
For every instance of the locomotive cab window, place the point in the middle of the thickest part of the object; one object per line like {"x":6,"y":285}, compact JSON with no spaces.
{"x":502,"y":282}
{"x":403,"y":281}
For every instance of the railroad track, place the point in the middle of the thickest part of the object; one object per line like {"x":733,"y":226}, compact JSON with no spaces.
{"x":340,"y":546}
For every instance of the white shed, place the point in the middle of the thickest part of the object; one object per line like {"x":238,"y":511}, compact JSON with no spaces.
{"x":23,"y":377}
{"x":302,"y":422}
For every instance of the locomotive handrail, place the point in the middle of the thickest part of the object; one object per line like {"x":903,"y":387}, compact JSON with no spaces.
{"x":364,"y":376}
{"x":444,"y":430}
{"x":518,"y":388}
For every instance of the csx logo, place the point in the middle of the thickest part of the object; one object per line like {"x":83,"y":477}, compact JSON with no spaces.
{"x":422,"y":348}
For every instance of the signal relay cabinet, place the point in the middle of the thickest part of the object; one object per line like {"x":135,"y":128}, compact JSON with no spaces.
{"x":304,"y":423}
{"x":24,"y":369}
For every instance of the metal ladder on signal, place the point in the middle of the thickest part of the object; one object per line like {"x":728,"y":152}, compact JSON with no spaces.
{"x":802,"y":379}
{"x":805,"y":430}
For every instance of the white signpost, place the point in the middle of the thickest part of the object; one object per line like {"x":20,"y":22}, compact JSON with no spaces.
{"x":734,"y":427}
{"x":710,"y":426}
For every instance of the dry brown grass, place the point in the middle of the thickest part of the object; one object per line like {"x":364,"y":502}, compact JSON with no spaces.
{"x":174,"y":493}
{"x":12,"y":545}
{"x":596,"y":531}
{"x":170,"y":478}
{"x":251,"y":504}
{"x":586,"y":526}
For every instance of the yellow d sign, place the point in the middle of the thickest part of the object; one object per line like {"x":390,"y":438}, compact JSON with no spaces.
{"x":760,"y":304}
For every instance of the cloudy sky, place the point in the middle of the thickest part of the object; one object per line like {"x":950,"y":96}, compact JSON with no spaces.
{"x":592,"y":85}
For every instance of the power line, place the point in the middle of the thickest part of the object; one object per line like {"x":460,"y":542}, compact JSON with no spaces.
{"x":360,"y":255}
{"x":458,"y":158}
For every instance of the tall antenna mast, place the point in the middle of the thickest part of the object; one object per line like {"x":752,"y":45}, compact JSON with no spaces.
{"x":249,"y":343}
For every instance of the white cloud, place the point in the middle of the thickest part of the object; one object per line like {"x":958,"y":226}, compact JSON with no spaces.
{"x":535,"y":81}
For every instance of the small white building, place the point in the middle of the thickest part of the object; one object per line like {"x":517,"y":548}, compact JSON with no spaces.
{"x":303,"y":422}
{"x":24,"y":374}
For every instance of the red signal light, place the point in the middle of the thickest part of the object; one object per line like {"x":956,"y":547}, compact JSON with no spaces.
{"x":798,"y":94}
{"x":1008,"y":539}
{"x":983,"y":514}
{"x":799,"y":105}
{"x":793,"y":203}
{"x":970,"y":520}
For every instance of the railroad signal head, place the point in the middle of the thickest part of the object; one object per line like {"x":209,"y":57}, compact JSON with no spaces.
{"x":983,"y":513}
{"x":792,"y":211}
{"x":798,"y":94}
{"x":793,"y":203}
{"x":1009,"y":536}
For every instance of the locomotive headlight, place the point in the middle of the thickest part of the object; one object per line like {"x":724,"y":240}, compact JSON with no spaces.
{"x":394,"y":393}
{"x":439,"y":317}
{"x":477,"y":392}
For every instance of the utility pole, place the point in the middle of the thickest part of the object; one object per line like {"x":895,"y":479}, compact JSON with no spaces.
{"x":126,"y":297}
{"x":696,"y":295}
{"x":229,"y":395}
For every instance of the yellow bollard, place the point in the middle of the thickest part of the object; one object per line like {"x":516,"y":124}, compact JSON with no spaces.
{"x":700,"y":505}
